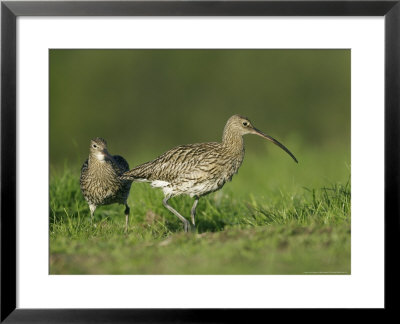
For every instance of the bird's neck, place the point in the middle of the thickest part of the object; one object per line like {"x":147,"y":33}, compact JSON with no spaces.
{"x":233,"y":142}
{"x":103,"y":170}
{"x":94,"y":161}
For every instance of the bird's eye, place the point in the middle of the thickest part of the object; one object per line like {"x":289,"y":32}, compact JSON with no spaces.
{"x":94,"y":145}
{"x":245,"y":123}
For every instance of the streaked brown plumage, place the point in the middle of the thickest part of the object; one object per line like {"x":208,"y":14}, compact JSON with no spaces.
{"x":198,"y":169}
{"x":100,"y":178}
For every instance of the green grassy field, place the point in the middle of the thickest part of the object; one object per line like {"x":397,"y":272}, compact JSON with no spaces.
{"x":275,"y":217}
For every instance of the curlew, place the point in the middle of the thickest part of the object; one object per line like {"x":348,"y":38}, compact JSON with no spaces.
{"x":100,"y":178}
{"x":198,"y":169}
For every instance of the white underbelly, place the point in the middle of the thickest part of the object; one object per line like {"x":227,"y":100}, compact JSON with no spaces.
{"x":189,"y":187}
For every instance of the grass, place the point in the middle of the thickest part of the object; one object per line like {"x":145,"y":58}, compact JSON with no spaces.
{"x":268,"y":230}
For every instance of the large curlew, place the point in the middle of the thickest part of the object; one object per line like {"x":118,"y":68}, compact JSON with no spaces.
{"x":100,"y":178}
{"x":198,"y":169}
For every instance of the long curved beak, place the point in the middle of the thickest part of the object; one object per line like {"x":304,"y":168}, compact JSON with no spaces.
{"x":273,"y":140}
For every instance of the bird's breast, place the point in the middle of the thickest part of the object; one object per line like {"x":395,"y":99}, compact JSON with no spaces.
{"x":100,"y":184}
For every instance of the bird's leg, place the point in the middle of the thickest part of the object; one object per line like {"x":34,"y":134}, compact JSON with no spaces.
{"x":193,"y":210}
{"x":127,"y":209}
{"x":92,"y":209}
{"x":186,"y":224}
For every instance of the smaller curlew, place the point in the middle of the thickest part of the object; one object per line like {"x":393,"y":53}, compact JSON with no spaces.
{"x":198,"y":169}
{"x":100,"y":178}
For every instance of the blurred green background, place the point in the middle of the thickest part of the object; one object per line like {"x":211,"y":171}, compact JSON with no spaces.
{"x":144,"y":102}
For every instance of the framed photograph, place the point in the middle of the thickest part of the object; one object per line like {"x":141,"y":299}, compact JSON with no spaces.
{"x":133,"y":188}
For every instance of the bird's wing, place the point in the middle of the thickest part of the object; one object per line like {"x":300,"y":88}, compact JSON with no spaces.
{"x":85,"y":166}
{"x":84,"y":169}
{"x":121,"y":163}
{"x":174,"y":163}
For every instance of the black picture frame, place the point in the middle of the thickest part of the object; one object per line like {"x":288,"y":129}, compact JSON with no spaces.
{"x":10,"y":10}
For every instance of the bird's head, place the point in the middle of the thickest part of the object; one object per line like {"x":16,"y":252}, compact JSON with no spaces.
{"x":98,"y":149}
{"x":242,"y":126}
{"x":239,"y":125}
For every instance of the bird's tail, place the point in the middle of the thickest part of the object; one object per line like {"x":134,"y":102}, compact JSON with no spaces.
{"x":128,"y":176}
{"x":138,"y":174}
